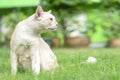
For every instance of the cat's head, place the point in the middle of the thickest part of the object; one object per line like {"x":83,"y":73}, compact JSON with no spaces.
{"x":45,"y":20}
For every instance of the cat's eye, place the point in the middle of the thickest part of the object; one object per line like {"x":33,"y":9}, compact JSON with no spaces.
{"x":51,"y":19}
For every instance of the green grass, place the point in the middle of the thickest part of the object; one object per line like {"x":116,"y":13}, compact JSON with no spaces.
{"x":73,"y":65}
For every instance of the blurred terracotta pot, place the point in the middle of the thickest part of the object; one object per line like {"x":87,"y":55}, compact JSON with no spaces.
{"x":114,"y":42}
{"x":55,"y":42}
{"x":77,"y":41}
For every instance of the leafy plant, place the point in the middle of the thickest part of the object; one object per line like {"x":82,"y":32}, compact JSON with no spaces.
{"x":95,"y":26}
{"x":113,"y":30}
{"x":8,"y":23}
{"x":64,"y":8}
{"x":75,"y":24}
{"x":103,"y":25}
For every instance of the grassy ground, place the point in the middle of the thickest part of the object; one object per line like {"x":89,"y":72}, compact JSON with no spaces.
{"x":73,"y":65}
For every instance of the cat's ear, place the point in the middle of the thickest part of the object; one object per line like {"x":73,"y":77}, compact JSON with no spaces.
{"x":39,"y":11}
{"x":49,"y":11}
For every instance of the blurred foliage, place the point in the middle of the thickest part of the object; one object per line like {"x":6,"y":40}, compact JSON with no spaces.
{"x":95,"y":25}
{"x":104,"y":25}
{"x":113,"y":30}
{"x":8,"y":20}
{"x":103,"y":17}
{"x":75,"y":24}
{"x":77,"y":2}
{"x":7,"y":24}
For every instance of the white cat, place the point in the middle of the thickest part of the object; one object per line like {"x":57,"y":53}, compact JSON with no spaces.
{"x":28,"y":48}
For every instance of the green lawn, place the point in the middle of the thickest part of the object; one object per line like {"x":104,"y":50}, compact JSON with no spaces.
{"x":73,"y":65}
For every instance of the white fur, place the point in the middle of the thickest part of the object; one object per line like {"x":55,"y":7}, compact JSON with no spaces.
{"x":28,"y":48}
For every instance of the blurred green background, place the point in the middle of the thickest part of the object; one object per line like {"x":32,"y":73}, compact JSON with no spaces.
{"x":82,"y":23}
